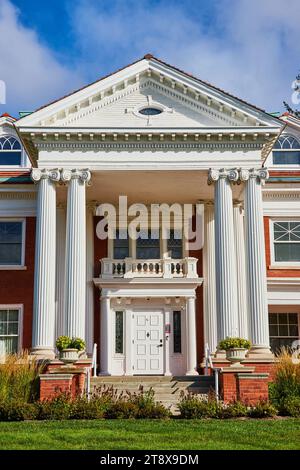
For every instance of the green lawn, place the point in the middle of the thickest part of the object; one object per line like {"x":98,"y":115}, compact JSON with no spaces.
{"x":151,"y":434}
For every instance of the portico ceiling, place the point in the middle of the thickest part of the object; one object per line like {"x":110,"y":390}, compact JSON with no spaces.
{"x":149,"y":187}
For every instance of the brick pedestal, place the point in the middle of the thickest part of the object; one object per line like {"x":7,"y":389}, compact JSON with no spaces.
{"x":243,"y":384}
{"x":59,"y":378}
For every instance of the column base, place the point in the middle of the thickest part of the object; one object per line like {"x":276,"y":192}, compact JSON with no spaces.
{"x":191,"y":372}
{"x":40,"y":352}
{"x":260,"y":352}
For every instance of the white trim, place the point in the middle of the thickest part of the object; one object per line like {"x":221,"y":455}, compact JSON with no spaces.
{"x":274,"y":263}
{"x":22,"y":264}
{"x":20,"y":308}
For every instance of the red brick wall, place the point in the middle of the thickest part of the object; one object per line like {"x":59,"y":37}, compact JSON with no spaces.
{"x":275,"y":272}
{"x":100,"y":251}
{"x":16,"y":286}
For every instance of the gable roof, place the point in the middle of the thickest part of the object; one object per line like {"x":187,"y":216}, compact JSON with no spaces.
{"x":145,"y":63}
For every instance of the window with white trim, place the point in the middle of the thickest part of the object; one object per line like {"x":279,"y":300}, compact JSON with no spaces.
{"x":11,"y":243}
{"x":286,"y":151}
{"x":283,"y":329}
{"x":286,"y":239}
{"x":9,"y":331}
{"x":10,"y":151}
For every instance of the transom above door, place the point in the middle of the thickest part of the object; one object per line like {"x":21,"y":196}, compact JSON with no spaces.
{"x":148,"y":343}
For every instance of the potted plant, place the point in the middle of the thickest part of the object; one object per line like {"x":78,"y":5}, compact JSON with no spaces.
{"x":236,"y":349}
{"x":69,"y":348}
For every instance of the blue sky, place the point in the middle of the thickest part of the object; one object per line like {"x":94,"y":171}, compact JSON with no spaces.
{"x":49,"y":48}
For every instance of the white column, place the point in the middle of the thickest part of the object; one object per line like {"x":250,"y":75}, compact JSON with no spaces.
{"x":227,"y":314}
{"x":167,"y":340}
{"x":209,"y":274}
{"x":239,"y":235}
{"x":76,"y":252}
{"x":256,"y":262}
{"x":60,"y":271}
{"x":44,"y":275}
{"x":191,"y":337}
{"x":89,"y":336}
{"x":105,"y":337}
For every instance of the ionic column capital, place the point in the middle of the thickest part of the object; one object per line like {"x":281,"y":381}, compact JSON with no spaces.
{"x":82,"y":175}
{"x":260,"y":174}
{"x":214,"y":175}
{"x":38,"y":174}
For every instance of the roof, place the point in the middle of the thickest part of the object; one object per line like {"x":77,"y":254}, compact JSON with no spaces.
{"x":153,"y":58}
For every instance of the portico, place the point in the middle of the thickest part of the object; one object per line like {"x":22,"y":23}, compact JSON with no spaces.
{"x":152,"y":312}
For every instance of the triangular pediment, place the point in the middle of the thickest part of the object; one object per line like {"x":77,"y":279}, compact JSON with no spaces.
{"x":116,"y":102}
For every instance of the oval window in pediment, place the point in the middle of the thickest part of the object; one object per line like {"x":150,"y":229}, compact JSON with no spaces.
{"x":150,"y":111}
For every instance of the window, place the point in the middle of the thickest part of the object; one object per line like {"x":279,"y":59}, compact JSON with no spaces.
{"x":175,"y":244}
{"x":121,"y":244}
{"x":11,"y":235}
{"x":286,"y":241}
{"x":147,"y":247}
{"x":119,"y":337}
{"x":150,"y":111}
{"x":286,"y":151}
{"x":9,"y":331}
{"x":177,"y":331}
{"x":283,"y":328}
{"x":10,"y":151}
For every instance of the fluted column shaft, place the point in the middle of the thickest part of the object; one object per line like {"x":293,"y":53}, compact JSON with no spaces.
{"x":239,"y":235}
{"x":76,"y":252}
{"x":191,"y":336}
{"x":256,"y":264}
{"x":44,"y":276}
{"x":209,"y":268}
{"x":227,"y":313}
{"x":89,"y":336}
{"x":60,"y":271}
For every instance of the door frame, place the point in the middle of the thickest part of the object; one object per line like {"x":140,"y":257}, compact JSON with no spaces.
{"x":136,"y":311}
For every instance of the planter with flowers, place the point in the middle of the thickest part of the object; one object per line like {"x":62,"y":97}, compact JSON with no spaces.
{"x":69,"y":348}
{"x":236,"y":349}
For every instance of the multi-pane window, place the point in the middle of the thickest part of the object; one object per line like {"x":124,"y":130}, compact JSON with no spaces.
{"x":177,"y":331}
{"x":148,"y":245}
{"x":283,"y":329}
{"x":10,"y":151}
{"x":175,"y":244}
{"x":11,"y":234}
{"x":119,"y":336}
{"x":286,"y":151}
{"x":287,"y":241}
{"x":121,"y":244}
{"x":9,"y":331}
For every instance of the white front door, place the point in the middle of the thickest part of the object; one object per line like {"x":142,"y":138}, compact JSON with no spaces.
{"x":148,"y":343}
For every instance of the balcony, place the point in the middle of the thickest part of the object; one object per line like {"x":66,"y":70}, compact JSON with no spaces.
{"x":166,"y":268}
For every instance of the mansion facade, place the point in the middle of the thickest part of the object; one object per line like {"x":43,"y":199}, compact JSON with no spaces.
{"x":158,"y":136}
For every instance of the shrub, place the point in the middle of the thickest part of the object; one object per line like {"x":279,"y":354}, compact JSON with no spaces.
{"x":147,"y":407}
{"x":14,"y":410}
{"x":82,"y":408}
{"x":57,"y":408}
{"x":263,"y":409}
{"x":284,"y":392}
{"x":77,"y":343}
{"x":121,"y":409}
{"x":230,"y":343}
{"x":235,"y":409}
{"x":194,"y":407}
{"x":19,"y":378}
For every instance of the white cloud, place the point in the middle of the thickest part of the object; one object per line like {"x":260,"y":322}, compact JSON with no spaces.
{"x":30,"y":70}
{"x":252,"y":51}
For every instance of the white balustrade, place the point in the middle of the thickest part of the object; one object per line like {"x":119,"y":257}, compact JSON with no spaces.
{"x":164,"y":268}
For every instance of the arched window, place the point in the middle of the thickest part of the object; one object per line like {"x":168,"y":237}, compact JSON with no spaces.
{"x":286,"y":151}
{"x":10,"y":151}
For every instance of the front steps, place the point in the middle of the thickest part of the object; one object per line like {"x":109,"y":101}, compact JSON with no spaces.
{"x":167,"y":389}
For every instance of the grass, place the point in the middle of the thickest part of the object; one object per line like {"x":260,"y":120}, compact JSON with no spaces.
{"x":272,"y":434}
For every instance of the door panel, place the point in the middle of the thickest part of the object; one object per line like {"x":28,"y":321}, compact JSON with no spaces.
{"x":148,"y":343}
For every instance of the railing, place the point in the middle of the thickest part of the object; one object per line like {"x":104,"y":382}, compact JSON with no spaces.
{"x":165,"y":268}
{"x":89,"y":370}
{"x":215,"y":370}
